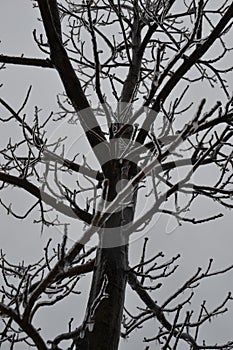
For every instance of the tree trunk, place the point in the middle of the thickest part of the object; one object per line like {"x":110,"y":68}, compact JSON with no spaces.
{"x":102,"y":323}
{"x":101,"y":328}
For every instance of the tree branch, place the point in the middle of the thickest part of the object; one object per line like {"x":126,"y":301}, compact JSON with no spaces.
{"x":46,"y":198}
{"x":72,"y":85}
{"x":25,"y":326}
{"x":26,"y":61}
{"x":145,"y":297}
{"x":188,"y":63}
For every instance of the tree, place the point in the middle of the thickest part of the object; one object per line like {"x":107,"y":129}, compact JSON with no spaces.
{"x":149,"y":56}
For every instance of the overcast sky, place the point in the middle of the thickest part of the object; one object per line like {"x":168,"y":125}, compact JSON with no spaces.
{"x":22,"y":239}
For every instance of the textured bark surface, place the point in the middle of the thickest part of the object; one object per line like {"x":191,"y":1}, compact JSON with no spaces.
{"x":102,"y":323}
{"x":105,"y":306}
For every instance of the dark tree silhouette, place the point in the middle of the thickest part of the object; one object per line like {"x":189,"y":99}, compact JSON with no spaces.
{"x":129,"y":70}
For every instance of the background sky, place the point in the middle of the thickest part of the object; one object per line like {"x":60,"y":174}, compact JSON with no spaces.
{"x":21,"y":239}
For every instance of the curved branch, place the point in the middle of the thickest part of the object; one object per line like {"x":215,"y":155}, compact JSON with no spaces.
{"x":46,"y":198}
{"x":188,"y":63}
{"x":94,"y":174}
{"x":50,"y":155}
{"x":193,"y":58}
{"x":145,"y":297}
{"x":25,"y":326}
{"x":76,"y":270}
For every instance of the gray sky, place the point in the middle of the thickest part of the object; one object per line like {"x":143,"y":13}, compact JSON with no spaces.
{"x":22,"y":239}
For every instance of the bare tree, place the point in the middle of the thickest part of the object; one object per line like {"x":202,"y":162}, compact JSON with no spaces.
{"x":146,"y":58}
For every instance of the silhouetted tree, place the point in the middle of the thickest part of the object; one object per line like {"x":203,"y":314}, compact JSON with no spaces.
{"x":129,"y":70}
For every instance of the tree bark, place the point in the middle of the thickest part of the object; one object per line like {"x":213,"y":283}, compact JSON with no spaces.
{"x":101,"y":328}
{"x":102,"y":323}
